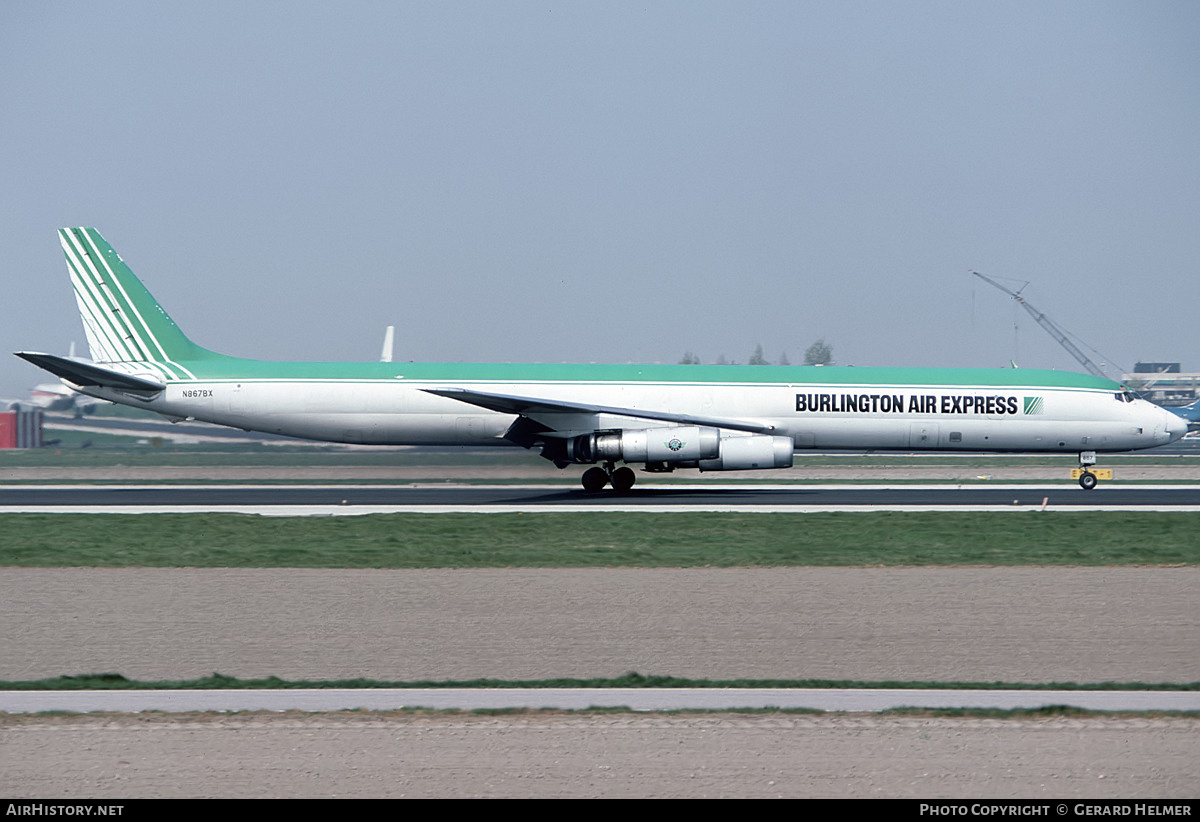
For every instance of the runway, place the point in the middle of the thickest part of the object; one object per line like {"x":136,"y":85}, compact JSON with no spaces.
{"x":447,"y":497}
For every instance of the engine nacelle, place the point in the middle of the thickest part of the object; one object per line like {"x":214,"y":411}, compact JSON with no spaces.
{"x":689,"y":443}
{"x":757,"y":451}
{"x":690,"y":446}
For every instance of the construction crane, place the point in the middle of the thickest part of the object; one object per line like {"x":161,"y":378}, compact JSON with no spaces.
{"x":1052,"y":328}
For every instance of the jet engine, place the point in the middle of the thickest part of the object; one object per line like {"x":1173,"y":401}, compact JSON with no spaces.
{"x":692,"y":446}
{"x":688,"y":443}
{"x":757,"y":451}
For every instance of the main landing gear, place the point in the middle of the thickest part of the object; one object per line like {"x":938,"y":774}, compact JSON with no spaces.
{"x":621,"y":479}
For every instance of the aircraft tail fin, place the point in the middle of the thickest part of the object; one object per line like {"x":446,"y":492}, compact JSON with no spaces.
{"x":122,"y":320}
{"x":1191,"y":412}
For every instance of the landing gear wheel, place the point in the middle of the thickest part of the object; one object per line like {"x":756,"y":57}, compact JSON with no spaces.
{"x":622,"y":479}
{"x":594,"y":479}
{"x":1087,"y":480}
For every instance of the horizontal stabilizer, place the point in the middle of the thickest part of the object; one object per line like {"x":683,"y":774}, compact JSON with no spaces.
{"x":83,"y":373}
{"x":525,"y":406}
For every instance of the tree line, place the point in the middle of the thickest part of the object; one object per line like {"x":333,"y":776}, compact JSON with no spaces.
{"x":819,"y":353}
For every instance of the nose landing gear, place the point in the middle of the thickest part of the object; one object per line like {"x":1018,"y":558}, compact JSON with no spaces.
{"x":1087,"y":474}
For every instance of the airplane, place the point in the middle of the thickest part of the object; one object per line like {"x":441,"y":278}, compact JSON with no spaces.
{"x":664,"y":417}
{"x":51,"y":396}
{"x":1188,"y":413}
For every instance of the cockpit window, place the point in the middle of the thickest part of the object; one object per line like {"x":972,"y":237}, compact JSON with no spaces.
{"x":1125,"y":396}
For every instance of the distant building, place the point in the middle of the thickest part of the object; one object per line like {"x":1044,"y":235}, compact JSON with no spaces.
{"x":1156,"y":368}
{"x":1164,"y":382}
{"x":21,"y":428}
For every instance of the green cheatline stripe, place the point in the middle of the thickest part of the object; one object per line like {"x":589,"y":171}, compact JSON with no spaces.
{"x":233,"y":368}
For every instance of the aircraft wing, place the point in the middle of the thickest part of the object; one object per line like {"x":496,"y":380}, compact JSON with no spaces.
{"x":85,"y":373}
{"x":525,"y":406}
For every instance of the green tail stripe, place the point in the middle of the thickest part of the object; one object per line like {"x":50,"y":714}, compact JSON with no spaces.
{"x":123,"y":320}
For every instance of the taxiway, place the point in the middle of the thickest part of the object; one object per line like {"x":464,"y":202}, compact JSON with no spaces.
{"x":459,"y":498}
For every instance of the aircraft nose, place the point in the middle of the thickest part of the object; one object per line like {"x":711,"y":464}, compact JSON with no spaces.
{"x":1176,"y":426}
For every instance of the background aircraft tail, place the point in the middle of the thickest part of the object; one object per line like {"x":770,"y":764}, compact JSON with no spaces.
{"x":122,"y":320}
{"x":1191,"y":413}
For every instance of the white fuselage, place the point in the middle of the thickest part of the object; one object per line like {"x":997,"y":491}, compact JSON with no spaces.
{"x":841,"y":416}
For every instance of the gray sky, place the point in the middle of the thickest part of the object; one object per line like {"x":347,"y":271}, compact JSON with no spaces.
{"x":611,"y":182}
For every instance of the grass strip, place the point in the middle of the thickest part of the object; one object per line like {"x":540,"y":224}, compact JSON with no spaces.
{"x":577,"y":540}
{"x":113,"y":681}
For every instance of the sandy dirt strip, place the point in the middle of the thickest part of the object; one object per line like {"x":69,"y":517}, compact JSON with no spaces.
{"x":867,"y":624}
{"x":616,"y":755}
{"x":982,"y":624}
